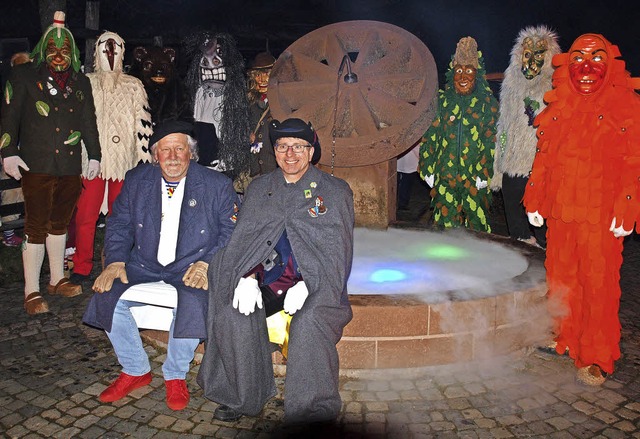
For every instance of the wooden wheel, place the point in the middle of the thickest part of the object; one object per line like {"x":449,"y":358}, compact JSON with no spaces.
{"x":376,"y":118}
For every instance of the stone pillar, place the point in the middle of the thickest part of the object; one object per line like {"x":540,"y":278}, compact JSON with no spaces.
{"x":374,"y":192}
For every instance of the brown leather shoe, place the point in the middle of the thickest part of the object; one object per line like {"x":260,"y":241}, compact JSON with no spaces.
{"x":34,"y":303}
{"x":65,"y":288}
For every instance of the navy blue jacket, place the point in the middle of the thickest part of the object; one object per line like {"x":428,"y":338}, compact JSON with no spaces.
{"x":133,"y":234}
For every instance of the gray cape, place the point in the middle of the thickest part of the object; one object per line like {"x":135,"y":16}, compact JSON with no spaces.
{"x":237,"y":370}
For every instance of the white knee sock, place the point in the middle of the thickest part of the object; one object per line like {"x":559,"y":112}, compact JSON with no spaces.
{"x":55,"y":251}
{"x":32,"y":257}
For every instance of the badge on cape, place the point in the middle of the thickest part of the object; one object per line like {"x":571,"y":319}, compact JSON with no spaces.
{"x":318,"y":209}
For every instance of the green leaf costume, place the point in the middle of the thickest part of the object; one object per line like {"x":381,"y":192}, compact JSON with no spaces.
{"x":457,"y":148}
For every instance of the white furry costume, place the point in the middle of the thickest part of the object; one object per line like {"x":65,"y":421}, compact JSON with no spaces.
{"x":516,"y":138}
{"x":124,"y":122}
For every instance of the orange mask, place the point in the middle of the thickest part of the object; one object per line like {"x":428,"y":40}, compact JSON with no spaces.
{"x":588,"y":63}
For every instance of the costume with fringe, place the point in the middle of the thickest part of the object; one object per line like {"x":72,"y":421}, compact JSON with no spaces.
{"x":124,"y":122}
{"x":218,"y":97}
{"x":521,"y":99}
{"x":585,"y":173}
{"x":457,"y":148}
{"x":124,"y":126}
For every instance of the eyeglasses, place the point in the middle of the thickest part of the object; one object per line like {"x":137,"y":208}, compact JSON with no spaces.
{"x":282,"y":148}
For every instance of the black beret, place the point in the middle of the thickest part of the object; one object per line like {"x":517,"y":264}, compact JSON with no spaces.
{"x":170,"y":126}
{"x":296,"y":128}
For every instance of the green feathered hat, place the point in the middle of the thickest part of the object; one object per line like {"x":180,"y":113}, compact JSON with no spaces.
{"x":59,"y":33}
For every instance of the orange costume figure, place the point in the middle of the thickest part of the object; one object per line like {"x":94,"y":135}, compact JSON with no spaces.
{"x":585,"y":182}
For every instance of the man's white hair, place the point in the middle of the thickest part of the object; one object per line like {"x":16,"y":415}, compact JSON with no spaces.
{"x":193,"y":147}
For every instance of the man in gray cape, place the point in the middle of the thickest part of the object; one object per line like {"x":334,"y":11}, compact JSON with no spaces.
{"x":292,"y":249}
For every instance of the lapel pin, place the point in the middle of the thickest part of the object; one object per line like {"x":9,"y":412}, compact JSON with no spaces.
{"x":318,"y":209}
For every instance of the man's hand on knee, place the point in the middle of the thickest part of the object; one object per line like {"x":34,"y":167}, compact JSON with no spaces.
{"x":296,"y":295}
{"x":247,"y":295}
{"x":104,"y":282}
{"x":196,"y":276}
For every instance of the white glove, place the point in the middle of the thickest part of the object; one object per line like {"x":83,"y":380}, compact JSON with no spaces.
{"x":481,"y":184}
{"x":430,"y":180}
{"x":12,"y":166}
{"x":619,"y":231}
{"x":296,"y":295}
{"x":535,"y":219}
{"x":94,"y":169}
{"x":247,"y":295}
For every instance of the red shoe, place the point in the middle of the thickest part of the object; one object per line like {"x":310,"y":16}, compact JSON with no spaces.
{"x":123,"y":385}
{"x":177,"y":394}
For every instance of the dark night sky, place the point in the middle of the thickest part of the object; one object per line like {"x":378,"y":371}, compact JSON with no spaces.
{"x":438,"y":23}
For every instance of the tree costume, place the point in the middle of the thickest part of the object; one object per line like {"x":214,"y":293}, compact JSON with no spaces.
{"x":585,"y":183}
{"x":456,"y":152}
{"x":48,"y":110}
{"x":525,"y":82}
{"x":124,"y":124}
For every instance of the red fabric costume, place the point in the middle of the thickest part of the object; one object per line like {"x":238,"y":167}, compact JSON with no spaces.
{"x":585,"y":174}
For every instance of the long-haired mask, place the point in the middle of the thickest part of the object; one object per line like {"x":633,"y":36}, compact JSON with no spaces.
{"x":211,"y":64}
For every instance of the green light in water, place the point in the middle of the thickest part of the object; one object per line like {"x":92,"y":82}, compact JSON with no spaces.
{"x":443,"y":251}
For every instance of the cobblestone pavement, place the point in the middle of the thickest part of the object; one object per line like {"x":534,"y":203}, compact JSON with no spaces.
{"x":52,"y":368}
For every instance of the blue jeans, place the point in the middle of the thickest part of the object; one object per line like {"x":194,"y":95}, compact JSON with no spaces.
{"x":125,"y":338}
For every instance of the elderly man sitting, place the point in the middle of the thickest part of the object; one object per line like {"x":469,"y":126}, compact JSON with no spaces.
{"x":171,"y":217}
